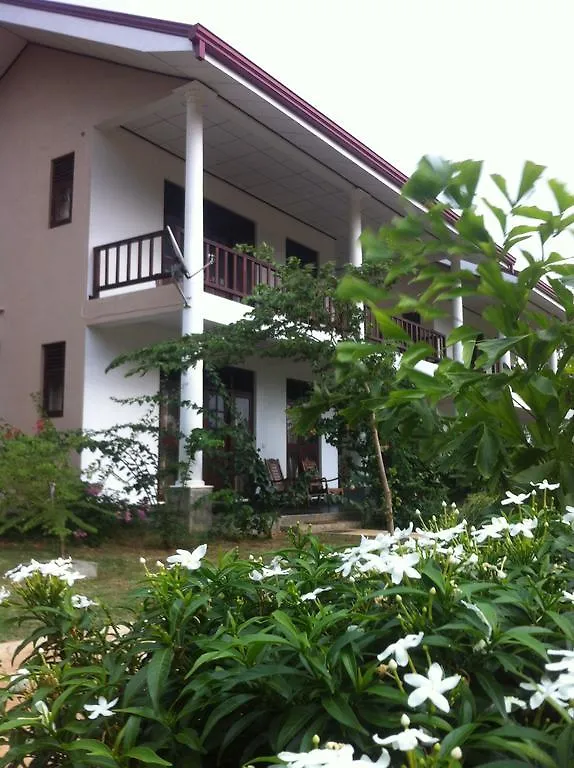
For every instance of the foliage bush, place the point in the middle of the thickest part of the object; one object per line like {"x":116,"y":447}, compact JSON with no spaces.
{"x":227,"y":662}
{"x":41,"y":491}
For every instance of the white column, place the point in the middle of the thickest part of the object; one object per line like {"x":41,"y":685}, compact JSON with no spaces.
{"x":355,"y":228}
{"x":355,"y":231}
{"x":457,"y":314}
{"x":192,"y":316}
{"x":553,"y":362}
{"x":505,"y":359}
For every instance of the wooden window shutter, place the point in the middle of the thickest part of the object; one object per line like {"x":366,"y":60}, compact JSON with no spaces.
{"x":61,"y":190}
{"x":54,"y":371}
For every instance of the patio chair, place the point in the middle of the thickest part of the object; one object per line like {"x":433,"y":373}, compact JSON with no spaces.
{"x":318,"y":486}
{"x":279,"y":482}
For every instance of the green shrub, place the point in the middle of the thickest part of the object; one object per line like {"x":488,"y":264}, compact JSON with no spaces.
{"x":40,"y":488}
{"x":228,"y":662}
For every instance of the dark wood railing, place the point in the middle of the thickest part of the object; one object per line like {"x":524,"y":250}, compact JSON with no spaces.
{"x":415,"y":331}
{"x":129,"y":262}
{"x":151,"y":257}
{"x":228,"y":273}
{"x":234,"y":275}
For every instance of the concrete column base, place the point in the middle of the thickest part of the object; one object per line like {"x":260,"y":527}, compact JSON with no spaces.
{"x":195,"y":503}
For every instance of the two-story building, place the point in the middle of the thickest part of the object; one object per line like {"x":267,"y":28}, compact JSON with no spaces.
{"x":113,"y":127}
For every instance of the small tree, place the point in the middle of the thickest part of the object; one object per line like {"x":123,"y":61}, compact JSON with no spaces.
{"x":512,"y":426}
{"x":301,"y":321}
{"x":40,"y":489}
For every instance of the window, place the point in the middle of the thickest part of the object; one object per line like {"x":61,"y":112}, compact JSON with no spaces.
{"x":62,"y":185}
{"x":54,"y":368}
{"x":307,"y":256}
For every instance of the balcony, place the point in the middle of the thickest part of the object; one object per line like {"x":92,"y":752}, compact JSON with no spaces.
{"x":147,"y":259}
{"x":415,"y":331}
{"x":150,"y":258}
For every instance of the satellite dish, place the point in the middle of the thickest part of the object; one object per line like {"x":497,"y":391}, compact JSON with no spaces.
{"x":178,"y":254}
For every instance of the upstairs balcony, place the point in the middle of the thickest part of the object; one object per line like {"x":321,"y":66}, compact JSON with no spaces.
{"x":150,"y":259}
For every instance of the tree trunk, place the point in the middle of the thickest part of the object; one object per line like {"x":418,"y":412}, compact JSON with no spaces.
{"x":383,"y":475}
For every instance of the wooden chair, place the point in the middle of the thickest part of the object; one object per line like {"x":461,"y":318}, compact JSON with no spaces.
{"x":279,"y":482}
{"x":318,"y":486}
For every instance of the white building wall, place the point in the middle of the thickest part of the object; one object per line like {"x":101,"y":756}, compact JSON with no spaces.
{"x":127,"y":188}
{"x":103,"y":390}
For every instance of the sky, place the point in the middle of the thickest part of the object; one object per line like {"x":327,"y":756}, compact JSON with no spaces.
{"x":482,"y":79}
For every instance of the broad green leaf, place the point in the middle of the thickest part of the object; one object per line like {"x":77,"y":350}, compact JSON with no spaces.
{"x":530,"y":175}
{"x":456,"y":737}
{"x":146,"y":756}
{"x":339,"y":709}
{"x":227,"y":706}
{"x":563,"y":197}
{"x":487,"y":453}
{"x":532,"y":212}
{"x":157,"y":674}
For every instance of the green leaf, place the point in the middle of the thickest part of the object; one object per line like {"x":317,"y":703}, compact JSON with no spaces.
{"x":296,"y":720}
{"x":532,"y":212}
{"x":523,"y":636}
{"x":228,"y":706}
{"x":340,"y":710}
{"x":487,"y":453}
{"x":456,"y":737}
{"x":564,"y":199}
{"x":146,"y":756}
{"x":388,"y":326}
{"x":530,"y":175}
{"x":500,"y":182}
{"x":493,"y":690}
{"x":157,"y":674}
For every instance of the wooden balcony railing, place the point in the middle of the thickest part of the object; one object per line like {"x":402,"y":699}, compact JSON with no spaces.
{"x":415,"y":331}
{"x":228,"y":273}
{"x":234,"y":275}
{"x":151,"y":257}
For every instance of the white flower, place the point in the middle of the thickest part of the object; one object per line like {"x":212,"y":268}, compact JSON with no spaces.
{"x":513,"y":701}
{"x":492,"y":530}
{"x":19,"y":680}
{"x":525,"y":527}
{"x":568,"y":596}
{"x":515,"y":498}
{"x":81,"y":601}
{"x":398,"y":566}
{"x":431,"y":687}
{"x":102,"y":709}
{"x":475,"y":609}
{"x":313,"y":595}
{"x":568,"y":518}
{"x":406,"y":740}
{"x":566,"y":664}
{"x":274,"y":569}
{"x":545,"y":485}
{"x":400,"y":649}
{"x":545,"y":689}
{"x":4,"y":594}
{"x":45,"y":715}
{"x":340,"y":755}
{"x":189,"y":560}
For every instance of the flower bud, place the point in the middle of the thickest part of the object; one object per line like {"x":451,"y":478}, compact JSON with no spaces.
{"x":456,"y":753}
{"x":399,"y":599}
{"x":405,"y":721}
{"x":392,"y":665}
{"x":316,"y":741}
{"x":142,"y":560}
{"x":432,"y":591}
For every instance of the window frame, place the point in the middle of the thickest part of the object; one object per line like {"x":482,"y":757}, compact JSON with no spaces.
{"x":61,"y":180}
{"x":53,"y":377}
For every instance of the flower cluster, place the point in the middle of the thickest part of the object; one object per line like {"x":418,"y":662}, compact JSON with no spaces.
{"x":62,"y":569}
{"x":559,"y":691}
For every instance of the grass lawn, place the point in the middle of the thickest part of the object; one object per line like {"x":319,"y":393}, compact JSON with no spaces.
{"x":119,"y":569}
